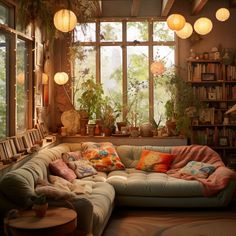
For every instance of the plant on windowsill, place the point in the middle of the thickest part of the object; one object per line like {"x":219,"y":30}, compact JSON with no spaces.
{"x":40,"y":204}
{"x":108,"y":117}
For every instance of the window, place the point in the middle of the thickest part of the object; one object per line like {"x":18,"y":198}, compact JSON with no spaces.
{"x":15,"y":77}
{"x":121,"y":63}
{"x":21,"y":86}
{"x":3,"y":84}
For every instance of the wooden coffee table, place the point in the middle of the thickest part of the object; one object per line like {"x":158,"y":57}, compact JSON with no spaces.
{"x":57,"y":222}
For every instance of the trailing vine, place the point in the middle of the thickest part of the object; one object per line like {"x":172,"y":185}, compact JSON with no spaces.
{"x":42,"y":11}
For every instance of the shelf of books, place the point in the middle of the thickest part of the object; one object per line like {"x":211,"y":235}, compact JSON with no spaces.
{"x":214,"y":84}
{"x":16,"y":148}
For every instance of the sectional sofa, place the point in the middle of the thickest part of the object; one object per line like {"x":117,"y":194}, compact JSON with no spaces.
{"x":127,"y":187}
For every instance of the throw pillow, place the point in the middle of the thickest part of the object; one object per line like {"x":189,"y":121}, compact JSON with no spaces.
{"x":103,"y":156}
{"x":198,"y":169}
{"x":154,"y":161}
{"x":60,"y":168}
{"x":71,"y":156}
{"x":82,"y":168}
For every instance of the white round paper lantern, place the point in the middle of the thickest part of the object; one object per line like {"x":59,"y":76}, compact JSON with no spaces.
{"x":157,"y":68}
{"x":203,"y":26}
{"x":61,"y":78}
{"x":65,"y":20}
{"x":222,"y":14}
{"x":175,"y":21}
{"x":186,"y":32}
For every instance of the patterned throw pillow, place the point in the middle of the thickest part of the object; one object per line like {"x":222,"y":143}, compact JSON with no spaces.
{"x":198,"y":169}
{"x":71,"y":156}
{"x":60,"y":168}
{"x":103,"y":156}
{"x":82,"y":168}
{"x":154,"y":161}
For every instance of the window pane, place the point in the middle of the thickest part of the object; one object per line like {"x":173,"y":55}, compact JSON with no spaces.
{"x":111,"y":73}
{"x":161,"y":95}
{"x":21,"y":86}
{"x":111,"y":31}
{"x":161,"y":32}
{"x":84,"y":68}
{"x":3,"y":84}
{"x":137,"y":31}
{"x":4,"y":15}
{"x":137,"y":73}
{"x":86,"y":33}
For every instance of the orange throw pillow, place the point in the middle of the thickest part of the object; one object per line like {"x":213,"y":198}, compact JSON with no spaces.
{"x":154,"y":161}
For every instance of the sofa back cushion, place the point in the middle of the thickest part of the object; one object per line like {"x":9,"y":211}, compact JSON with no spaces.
{"x":19,"y":185}
{"x":130,"y":155}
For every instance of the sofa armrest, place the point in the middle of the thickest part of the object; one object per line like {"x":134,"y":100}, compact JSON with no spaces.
{"x":84,"y":210}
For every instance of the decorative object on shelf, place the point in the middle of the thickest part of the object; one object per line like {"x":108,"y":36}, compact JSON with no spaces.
{"x":222,"y":14}
{"x":40,"y":205}
{"x":63,"y":131}
{"x":175,"y":21}
{"x":71,"y":120}
{"x":185,"y":32}
{"x":203,"y":25}
{"x":65,"y":20}
{"x":134,"y":131}
{"x":146,"y":130}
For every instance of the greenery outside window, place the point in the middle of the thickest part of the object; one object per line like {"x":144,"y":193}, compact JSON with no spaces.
{"x":124,"y":50}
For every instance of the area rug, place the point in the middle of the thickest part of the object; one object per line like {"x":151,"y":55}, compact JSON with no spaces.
{"x":172,"y":222}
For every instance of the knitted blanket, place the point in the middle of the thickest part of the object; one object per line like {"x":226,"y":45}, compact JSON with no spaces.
{"x":215,"y":182}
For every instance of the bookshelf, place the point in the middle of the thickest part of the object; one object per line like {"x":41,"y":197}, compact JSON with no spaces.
{"x":214,"y":84}
{"x":16,"y":150}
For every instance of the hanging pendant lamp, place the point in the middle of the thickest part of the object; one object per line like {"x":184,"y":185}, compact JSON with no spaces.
{"x":186,"y":32}
{"x":65,"y":20}
{"x":203,"y":26}
{"x":175,"y":21}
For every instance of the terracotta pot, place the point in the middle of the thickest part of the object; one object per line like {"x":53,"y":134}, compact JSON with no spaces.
{"x":40,"y":210}
{"x":107,"y":132}
{"x":121,"y":124}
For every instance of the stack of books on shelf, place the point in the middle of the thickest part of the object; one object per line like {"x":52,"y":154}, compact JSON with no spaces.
{"x":14,"y":147}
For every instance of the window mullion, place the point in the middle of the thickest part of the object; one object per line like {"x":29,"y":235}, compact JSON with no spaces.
{"x":124,"y":53}
{"x":98,"y":53}
{"x":150,"y":59}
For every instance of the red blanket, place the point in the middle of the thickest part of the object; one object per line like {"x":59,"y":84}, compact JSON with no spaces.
{"x":216,"y":181}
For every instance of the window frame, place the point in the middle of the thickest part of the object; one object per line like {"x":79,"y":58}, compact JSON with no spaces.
{"x":124,"y":44}
{"x":12,"y":35}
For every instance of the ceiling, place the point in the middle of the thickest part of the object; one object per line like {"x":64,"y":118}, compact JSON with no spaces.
{"x":143,"y":8}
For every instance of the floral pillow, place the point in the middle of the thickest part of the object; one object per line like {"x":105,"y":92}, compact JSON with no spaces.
{"x":82,"y":168}
{"x":103,"y":156}
{"x":60,"y":168}
{"x":198,"y":169}
{"x":71,"y":156}
{"x":154,"y":161}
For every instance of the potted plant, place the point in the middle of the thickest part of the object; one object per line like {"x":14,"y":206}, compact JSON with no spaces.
{"x":90,"y":102}
{"x":108,"y":117}
{"x":40,"y":205}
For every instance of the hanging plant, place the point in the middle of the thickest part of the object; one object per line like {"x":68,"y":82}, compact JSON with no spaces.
{"x":42,"y":11}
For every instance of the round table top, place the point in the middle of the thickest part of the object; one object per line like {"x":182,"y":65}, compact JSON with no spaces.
{"x":54,"y":217}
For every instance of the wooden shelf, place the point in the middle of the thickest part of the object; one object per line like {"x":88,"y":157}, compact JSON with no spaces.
{"x":24,"y":158}
{"x":137,"y":141}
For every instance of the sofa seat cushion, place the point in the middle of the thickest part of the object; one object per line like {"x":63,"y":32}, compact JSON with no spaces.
{"x":102,"y":198}
{"x":134,"y":182}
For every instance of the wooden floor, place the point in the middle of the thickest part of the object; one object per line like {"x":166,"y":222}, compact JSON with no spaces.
{"x":172,"y":222}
